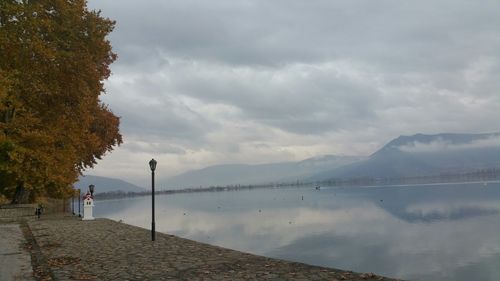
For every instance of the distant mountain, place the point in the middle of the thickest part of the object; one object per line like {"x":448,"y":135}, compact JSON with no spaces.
{"x":420,"y":155}
{"x":104,"y":184}
{"x":233,"y":174}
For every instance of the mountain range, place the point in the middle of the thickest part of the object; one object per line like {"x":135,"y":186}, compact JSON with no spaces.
{"x":233,"y":174}
{"x":422,"y":155}
{"x":405,"y":156}
{"x":105,"y":184}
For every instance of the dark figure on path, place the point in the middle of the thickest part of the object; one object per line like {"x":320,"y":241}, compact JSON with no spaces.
{"x":38,"y":211}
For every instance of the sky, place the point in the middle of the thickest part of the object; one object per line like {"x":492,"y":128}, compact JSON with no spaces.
{"x":200,"y":83}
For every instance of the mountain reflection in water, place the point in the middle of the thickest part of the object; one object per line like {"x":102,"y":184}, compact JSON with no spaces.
{"x":442,"y":232}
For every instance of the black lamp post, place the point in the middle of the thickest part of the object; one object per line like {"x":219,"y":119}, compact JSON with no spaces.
{"x":73,"y":202}
{"x":152,"y":165}
{"x":91,"y":189}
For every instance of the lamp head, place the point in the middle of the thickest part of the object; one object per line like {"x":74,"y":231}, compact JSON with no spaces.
{"x":91,"y":189}
{"x":152,"y":165}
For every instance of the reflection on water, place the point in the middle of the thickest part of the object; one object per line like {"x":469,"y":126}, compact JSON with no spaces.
{"x":447,"y":232}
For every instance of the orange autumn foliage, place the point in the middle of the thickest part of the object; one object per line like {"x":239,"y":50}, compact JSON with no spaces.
{"x":54,"y":57}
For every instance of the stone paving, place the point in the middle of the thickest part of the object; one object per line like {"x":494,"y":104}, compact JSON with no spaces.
{"x":107,"y":250}
{"x":15,"y":261}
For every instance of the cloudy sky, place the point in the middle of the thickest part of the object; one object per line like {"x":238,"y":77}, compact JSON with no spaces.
{"x":199,"y":83}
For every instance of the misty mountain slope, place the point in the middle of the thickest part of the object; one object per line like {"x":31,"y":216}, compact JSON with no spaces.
{"x":421,"y":154}
{"x":387,"y":165}
{"x":228,"y":174}
{"x":432,"y":143}
{"x":104,"y":184}
{"x":256,"y":174}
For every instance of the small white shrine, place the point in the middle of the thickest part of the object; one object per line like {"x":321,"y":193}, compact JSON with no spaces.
{"x":88,"y":205}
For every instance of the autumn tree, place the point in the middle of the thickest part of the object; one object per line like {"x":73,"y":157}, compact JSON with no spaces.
{"x":54,"y":57}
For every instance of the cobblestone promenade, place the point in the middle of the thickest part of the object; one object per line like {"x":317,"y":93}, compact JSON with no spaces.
{"x":69,"y":249}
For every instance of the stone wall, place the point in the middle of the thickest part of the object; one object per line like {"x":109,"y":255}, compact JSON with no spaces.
{"x":15,"y":212}
{"x":10,"y":212}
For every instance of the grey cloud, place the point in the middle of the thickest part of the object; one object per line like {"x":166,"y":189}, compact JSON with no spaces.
{"x":407,"y":35}
{"x":166,"y":148}
{"x":154,"y":115}
{"x":298,"y":98}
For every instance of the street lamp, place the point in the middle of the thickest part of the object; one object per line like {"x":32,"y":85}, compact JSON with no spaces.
{"x":152,"y":165}
{"x":73,"y":202}
{"x":91,"y":189}
{"x":79,"y":204}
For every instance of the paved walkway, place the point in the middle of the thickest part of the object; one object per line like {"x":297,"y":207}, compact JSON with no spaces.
{"x":15,"y":259}
{"x":109,"y":250}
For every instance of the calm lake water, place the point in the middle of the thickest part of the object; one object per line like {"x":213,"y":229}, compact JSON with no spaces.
{"x":439,"y":232}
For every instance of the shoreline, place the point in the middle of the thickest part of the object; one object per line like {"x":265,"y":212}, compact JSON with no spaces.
{"x":66,"y":248}
{"x":120,"y":195}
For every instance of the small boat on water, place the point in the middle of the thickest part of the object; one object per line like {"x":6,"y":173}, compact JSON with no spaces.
{"x":318,"y":187}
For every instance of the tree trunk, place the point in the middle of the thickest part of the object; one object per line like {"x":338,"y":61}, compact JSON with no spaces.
{"x":22,"y":195}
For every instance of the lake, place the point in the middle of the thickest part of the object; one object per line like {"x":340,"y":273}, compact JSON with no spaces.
{"x":429,"y":232}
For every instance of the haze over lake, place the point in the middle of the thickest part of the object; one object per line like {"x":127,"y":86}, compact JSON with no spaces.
{"x":434,"y":232}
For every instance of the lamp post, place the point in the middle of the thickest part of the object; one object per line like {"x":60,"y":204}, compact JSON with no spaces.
{"x":73,"y":202}
{"x":79,"y":204}
{"x":91,"y":189}
{"x":152,"y":165}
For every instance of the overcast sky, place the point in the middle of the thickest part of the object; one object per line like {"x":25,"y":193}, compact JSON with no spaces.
{"x":199,"y":83}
